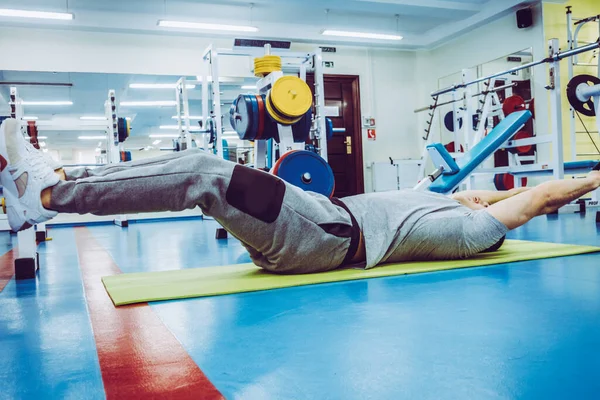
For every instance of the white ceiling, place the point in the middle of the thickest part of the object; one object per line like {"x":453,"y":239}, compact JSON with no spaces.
{"x":423,"y":23}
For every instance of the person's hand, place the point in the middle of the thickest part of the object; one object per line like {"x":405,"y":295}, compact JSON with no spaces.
{"x":595,"y":175}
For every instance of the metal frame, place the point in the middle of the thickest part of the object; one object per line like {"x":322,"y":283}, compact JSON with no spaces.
{"x":573,"y":42}
{"x":183,"y":121}
{"x":554,"y":57}
{"x":556,"y":138}
{"x":295,"y":62}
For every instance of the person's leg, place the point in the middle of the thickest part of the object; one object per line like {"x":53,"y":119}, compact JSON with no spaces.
{"x":72,"y":174}
{"x":284,"y":228}
{"x":542,"y":199}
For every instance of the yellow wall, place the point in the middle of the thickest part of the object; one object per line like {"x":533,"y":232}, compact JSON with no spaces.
{"x":555,"y":26}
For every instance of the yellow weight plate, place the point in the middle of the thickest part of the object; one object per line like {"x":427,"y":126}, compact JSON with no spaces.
{"x":265,"y":65}
{"x":291,"y":96}
{"x":4,"y":205}
{"x":282,"y":119}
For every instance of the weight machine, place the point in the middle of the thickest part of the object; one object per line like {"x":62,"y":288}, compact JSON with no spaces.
{"x":585,"y":92}
{"x":488,"y":106}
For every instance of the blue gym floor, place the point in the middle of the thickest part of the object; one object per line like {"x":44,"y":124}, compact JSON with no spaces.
{"x":527,"y":330}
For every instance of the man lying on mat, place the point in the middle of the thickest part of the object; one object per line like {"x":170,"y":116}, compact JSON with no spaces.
{"x":285,"y":229}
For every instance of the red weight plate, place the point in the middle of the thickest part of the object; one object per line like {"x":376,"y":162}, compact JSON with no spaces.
{"x":531,"y":108}
{"x":512,"y":104}
{"x":499,"y":181}
{"x":509,"y":181}
{"x":261,"y":117}
{"x":275,"y":168}
{"x":522,"y":150}
{"x":451,"y":148}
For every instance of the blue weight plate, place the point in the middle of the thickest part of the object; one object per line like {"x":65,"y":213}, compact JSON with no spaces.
{"x":243,"y":121}
{"x":254,"y":119}
{"x":306,"y":170}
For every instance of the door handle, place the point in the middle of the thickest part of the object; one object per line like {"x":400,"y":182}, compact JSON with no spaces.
{"x":348,"y":143}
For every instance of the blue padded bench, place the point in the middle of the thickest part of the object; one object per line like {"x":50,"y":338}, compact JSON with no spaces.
{"x":463,"y":166}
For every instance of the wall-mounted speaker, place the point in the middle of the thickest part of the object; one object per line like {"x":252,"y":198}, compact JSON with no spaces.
{"x":524,"y":18}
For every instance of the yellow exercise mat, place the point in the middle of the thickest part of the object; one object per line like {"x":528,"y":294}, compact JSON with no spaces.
{"x":210,"y":281}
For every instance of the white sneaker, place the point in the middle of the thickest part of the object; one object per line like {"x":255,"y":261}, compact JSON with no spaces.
{"x":28,"y":175}
{"x":51,"y":162}
{"x":8,"y":185}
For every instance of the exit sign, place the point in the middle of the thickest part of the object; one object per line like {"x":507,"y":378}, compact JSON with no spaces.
{"x":328,"y":64}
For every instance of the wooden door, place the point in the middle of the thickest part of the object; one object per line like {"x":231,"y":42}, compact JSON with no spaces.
{"x":344,"y":150}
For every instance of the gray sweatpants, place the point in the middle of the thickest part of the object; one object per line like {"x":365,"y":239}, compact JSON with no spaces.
{"x":285,"y":229}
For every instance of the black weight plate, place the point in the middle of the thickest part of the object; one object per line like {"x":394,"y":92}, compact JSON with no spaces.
{"x":449,"y":121}
{"x":585,"y":108}
{"x":243,"y":118}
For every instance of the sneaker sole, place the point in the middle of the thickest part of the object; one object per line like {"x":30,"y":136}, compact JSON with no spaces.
{"x":14,"y":210}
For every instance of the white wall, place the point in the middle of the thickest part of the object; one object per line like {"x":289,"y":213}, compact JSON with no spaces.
{"x":387,"y":78}
{"x":387,"y":84}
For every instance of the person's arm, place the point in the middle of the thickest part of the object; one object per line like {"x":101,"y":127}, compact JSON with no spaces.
{"x":543,"y":199}
{"x":488,"y":196}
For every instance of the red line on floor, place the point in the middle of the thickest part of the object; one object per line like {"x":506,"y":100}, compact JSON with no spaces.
{"x":7,"y":268}
{"x":139,"y":357}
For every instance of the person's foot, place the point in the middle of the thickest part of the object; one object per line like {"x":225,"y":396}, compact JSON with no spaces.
{"x":51,"y":162}
{"x":24,"y":175}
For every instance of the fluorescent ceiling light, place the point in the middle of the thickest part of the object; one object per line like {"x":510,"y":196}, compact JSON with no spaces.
{"x":191,"y":117}
{"x":365,"y":35}
{"x":203,"y":26}
{"x":166,"y":103}
{"x":192,"y":128}
{"x":92,"y":137}
{"x":5,"y":12}
{"x":158,"y":86}
{"x":164,"y":135}
{"x":92,"y":118}
{"x":249,"y":87}
{"x":28,"y":118}
{"x":47,"y":103}
{"x":157,"y":141}
{"x":42,"y":137}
